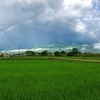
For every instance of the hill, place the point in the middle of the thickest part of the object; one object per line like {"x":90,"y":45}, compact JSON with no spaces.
{"x":83,"y":47}
{"x":56,"y":46}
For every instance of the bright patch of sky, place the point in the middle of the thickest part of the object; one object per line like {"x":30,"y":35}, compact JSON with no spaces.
{"x":96,"y":45}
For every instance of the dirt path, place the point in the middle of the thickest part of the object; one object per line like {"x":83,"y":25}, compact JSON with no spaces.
{"x":83,"y":60}
{"x":86,"y":60}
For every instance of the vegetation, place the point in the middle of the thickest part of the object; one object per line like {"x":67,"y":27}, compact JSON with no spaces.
{"x":73,"y":52}
{"x":49,"y":80}
{"x":44,"y":53}
{"x":45,"y":76}
{"x":57,"y":53}
{"x":29,"y":53}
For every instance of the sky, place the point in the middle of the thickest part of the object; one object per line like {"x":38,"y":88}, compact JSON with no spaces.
{"x":34,"y":22}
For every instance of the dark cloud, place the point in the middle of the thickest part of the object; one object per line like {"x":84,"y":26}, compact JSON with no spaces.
{"x":32,"y":34}
{"x":53,"y":20}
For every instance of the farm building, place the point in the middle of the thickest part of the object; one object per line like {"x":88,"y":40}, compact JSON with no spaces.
{"x":4,"y":55}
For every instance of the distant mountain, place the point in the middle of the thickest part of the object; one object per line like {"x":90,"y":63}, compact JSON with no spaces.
{"x":82,"y":47}
{"x":56,"y":46}
{"x":53,"y":45}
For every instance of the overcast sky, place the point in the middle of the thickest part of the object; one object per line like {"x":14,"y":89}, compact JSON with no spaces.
{"x":33,"y":22}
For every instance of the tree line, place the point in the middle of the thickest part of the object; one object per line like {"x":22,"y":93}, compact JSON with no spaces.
{"x":73,"y":52}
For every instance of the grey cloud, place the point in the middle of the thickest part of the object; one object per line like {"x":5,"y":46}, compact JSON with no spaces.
{"x":16,"y":12}
{"x":33,"y":7}
{"x":59,"y":24}
{"x":32,"y":34}
{"x":55,"y":4}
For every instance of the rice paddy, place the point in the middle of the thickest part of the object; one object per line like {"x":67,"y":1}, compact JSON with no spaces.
{"x":49,"y":80}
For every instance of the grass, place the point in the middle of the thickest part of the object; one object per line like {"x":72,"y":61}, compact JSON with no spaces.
{"x":49,"y":80}
{"x":46,"y":57}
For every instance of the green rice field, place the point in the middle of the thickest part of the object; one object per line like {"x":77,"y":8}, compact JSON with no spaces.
{"x":49,"y":80}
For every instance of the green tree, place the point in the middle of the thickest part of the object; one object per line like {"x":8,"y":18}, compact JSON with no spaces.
{"x":57,"y":53}
{"x":70,"y":54}
{"x":29,"y":53}
{"x":44,"y":53}
{"x":63,"y":52}
{"x":75,"y":50}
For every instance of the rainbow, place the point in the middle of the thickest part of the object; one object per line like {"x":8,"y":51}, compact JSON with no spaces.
{"x":92,"y":34}
{"x":14,"y":26}
{"x":30,"y":21}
